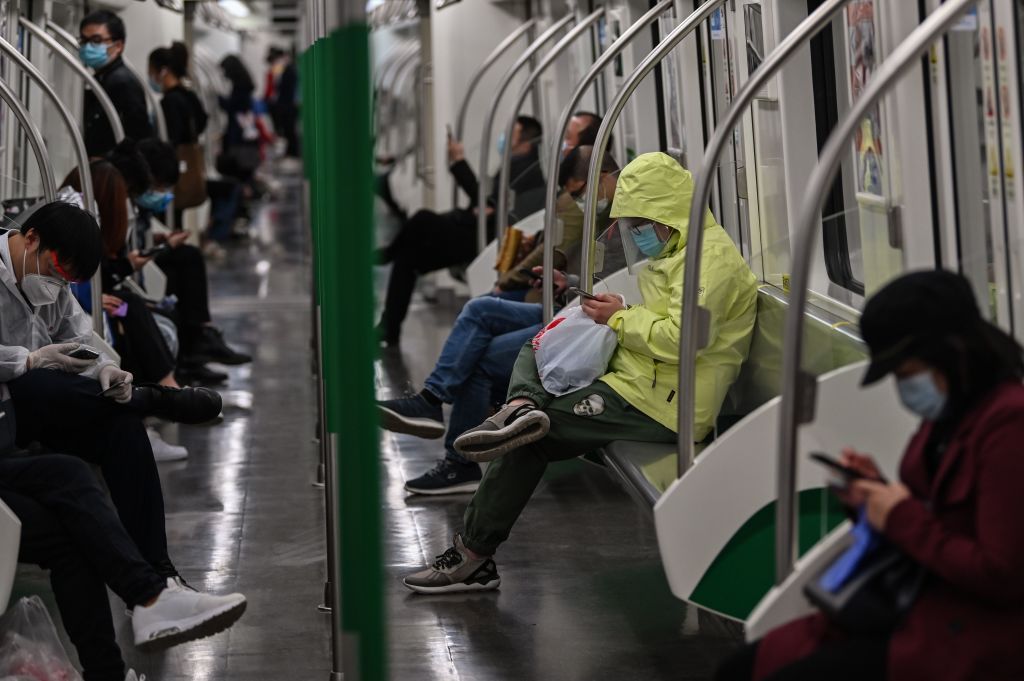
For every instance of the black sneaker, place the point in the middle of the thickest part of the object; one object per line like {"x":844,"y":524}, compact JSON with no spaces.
{"x":181,"y":405}
{"x":199,"y":374}
{"x":455,"y":571}
{"x":447,"y":477}
{"x":412,"y":416}
{"x":213,"y":348}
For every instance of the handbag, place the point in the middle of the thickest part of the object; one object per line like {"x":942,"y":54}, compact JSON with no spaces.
{"x":190,"y":191}
{"x":572,"y":351}
{"x":869,"y":588}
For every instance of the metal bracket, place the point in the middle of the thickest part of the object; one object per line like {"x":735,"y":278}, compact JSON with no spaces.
{"x":703,"y":327}
{"x":807,"y":396}
{"x":896,"y":226}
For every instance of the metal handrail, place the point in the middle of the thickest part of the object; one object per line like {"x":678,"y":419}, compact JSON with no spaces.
{"x":688,"y":25}
{"x":35,"y":140}
{"x":485,"y":135}
{"x":903,"y":58}
{"x":81,"y":157}
{"x":690,"y":331}
{"x":556,"y":145}
{"x":495,"y":55}
{"x":72,"y":60}
{"x":504,"y":181}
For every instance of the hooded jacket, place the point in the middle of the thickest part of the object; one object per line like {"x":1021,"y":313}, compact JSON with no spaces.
{"x":644,"y":370}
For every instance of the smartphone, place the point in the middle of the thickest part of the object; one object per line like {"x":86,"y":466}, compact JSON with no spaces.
{"x":581,"y":293}
{"x":155,"y":250}
{"x":448,"y":128}
{"x":111,"y":389}
{"x":836,"y":467}
{"x":527,"y":272}
{"x":84,"y":352}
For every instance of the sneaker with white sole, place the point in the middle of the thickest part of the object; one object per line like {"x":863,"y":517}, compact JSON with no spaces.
{"x":454,"y":571}
{"x":510,"y":428}
{"x":179,"y":615}
{"x":165,"y":451}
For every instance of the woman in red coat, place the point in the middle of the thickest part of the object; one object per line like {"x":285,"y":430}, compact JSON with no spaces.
{"x":958,"y":510}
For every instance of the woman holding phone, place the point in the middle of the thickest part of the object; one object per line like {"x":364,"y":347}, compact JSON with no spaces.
{"x":957,"y":510}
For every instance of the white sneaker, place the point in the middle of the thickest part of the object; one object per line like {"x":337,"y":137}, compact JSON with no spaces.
{"x":164,"y":451}
{"x":179,"y":615}
{"x":132,"y":676}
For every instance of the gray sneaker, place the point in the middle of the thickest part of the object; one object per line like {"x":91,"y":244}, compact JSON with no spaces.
{"x":454,"y":571}
{"x":510,"y":428}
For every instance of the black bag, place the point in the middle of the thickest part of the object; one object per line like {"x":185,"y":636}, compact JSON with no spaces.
{"x":874,"y":600}
{"x":7,"y":427}
{"x":239,"y":161}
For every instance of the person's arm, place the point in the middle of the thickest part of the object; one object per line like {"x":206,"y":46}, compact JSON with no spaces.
{"x":72,"y":325}
{"x":13,"y":360}
{"x":177,"y":119}
{"x":465,"y":178}
{"x":990,"y":564}
{"x":127,"y":95}
{"x":650,"y":333}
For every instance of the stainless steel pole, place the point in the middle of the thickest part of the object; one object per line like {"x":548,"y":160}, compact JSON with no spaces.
{"x":556,"y":144}
{"x":688,"y":25}
{"x":495,"y":55}
{"x":485,"y":137}
{"x":504,"y":181}
{"x":693,"y":322}
{"x":902,"y":59}
{"x":35,"y":140}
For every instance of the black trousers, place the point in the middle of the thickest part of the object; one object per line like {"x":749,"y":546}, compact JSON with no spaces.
{"x":427,"y":242}
{"x":69,"y":528}
{"x":138,"y":340}
{"x":65,"y":414}
{"x":186,"y":278}
{"x":855,"y":659}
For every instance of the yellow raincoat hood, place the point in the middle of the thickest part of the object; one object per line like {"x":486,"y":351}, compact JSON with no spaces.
{"x":645,"y":367}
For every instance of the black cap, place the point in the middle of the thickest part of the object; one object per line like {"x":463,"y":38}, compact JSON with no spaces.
{"x":912,"y":311}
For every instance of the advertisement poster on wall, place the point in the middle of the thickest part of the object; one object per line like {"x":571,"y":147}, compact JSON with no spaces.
{"x":863,"y":59}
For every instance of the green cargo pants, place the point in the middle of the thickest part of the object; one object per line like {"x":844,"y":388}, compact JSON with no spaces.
{"x":581,"y":421}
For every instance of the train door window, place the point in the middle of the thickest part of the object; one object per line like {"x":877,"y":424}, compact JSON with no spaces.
{"x":675,"y":140}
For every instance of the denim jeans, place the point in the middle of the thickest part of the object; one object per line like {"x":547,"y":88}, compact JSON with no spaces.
{"x":473,"y":370}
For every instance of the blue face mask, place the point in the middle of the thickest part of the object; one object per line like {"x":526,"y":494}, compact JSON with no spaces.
{"x":501,"y":144}
{"x":646,"y":239}
{"x":155,"y":86}
{"x":155,"y":202}
{"x":92,"y":55}
{"x":919,"y":394}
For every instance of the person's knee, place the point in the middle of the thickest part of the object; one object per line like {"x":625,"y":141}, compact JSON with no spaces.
{"x":66,"y":472}
{"x":480,"y":308}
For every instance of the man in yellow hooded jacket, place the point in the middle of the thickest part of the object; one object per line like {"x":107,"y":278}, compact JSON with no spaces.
{"x":635,"y":400}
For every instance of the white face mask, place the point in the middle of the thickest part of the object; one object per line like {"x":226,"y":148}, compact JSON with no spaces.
{"x":602,"y":205}
{"x":39,"y":290}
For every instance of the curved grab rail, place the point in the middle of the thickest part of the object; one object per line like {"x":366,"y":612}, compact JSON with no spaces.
{"x":81,"y":158}
{"x":655,"y":57}
{"x":35,"y":140}
{"x":904,"y":57}
{"x":485,"y":136}
{"x":504,"y":181}
{"x":478,"y":75}
{"x":690,"y":340}
{"x":72,"y":61}
{"x":556,"y":144}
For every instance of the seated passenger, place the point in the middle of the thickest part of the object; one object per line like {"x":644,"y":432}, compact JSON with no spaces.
{"x":431,"y":241}
{"x":69,"y":528}
{"x":475,"y":364}
{"x":958,"y":512}
{"x":201,"y":341}
{"x":635,"y":400}
{"x":57,"y":398}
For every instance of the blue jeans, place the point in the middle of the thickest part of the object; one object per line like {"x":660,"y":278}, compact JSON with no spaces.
{"x":473,"y":370}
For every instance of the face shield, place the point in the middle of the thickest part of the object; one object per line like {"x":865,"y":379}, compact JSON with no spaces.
{"x":634,"y":233}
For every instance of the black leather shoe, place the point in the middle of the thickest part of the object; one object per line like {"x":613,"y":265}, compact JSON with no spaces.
{"x":182,"y":405}
{"x":212,"y":348}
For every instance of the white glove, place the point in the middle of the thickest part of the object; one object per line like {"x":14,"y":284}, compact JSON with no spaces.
{"x":110,"y":375}
{"x":56,"y":356}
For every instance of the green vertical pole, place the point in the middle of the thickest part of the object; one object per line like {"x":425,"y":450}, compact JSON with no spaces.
{"x":344,"y":207}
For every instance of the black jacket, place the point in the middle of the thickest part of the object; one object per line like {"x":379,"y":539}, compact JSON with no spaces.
{"x":186,"y":117}
{"x":527,"y":185}
{"x":130,"y":101}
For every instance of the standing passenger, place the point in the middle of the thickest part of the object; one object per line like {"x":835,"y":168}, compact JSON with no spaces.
{"x":102,"y":38}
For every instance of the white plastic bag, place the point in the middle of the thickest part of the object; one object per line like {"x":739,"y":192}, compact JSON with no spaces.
{"x":29,"y":646}
{"x":572,"y":351}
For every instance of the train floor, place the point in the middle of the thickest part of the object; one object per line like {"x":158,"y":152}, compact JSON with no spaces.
{"x":583,"y":595}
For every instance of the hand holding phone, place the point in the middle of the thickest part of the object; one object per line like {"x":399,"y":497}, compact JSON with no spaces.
{"x":581,"y":293}
{"x":448,"y":129}
{"x":849,"y":474}
{"x":84,"y":352}
{"x":112,"y":389}
{"x":155,"y":250}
